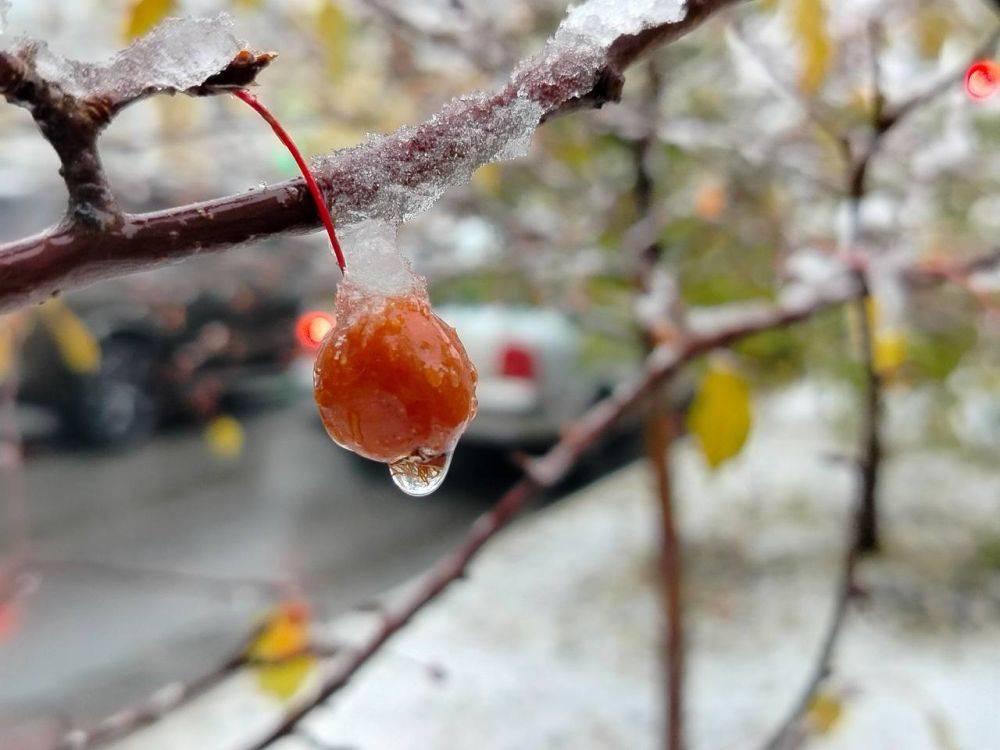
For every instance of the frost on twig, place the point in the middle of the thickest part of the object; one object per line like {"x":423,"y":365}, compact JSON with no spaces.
{"x":178,"y":54}
{"x":395,"y":177}
{"x":73,"y":101}
{"x":189,"y":55}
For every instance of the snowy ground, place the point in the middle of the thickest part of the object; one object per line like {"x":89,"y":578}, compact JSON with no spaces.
{"x":551,"y":642}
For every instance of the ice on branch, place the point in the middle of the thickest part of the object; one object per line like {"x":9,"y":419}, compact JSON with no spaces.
{"x":573,"y":57}
{"x":395,"y":177}
{"x":178,"y":54}
{"x":601,"y":22}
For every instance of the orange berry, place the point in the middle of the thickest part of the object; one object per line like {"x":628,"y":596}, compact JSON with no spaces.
{"x":393,"y":380}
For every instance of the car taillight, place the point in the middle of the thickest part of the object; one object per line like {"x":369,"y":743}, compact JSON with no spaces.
{"x":982,"y":79}
{"x":311,"y":327}
{"x":517,"y":362}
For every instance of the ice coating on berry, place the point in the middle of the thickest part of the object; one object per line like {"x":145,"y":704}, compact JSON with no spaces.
{"x":176,"y":55}
{"x":375,"y":265}
{"x":392,"y":380}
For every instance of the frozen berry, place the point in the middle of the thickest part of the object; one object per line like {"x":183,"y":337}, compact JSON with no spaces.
{"x":393,"y":381}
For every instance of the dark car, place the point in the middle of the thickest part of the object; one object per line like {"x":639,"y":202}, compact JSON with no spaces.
{"x":115,"y":364}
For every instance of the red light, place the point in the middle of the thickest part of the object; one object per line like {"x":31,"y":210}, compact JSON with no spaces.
{"x":312,"y":327}
{"x":517,"y":362}
{"x":982,"y":79}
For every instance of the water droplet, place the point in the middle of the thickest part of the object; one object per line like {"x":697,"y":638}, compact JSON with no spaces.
{"x":419,"y":475}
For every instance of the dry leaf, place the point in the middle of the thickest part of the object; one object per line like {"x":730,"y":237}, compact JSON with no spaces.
{"x":710,"y":200}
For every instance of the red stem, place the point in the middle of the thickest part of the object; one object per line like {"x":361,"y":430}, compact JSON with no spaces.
{"x":317,"y":194}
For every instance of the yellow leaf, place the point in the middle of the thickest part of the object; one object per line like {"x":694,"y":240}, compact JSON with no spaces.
{"x":77,"y":347}
{"x":720,"y":415}
{"x":889,"y":344}
{"x":808,"y":18}
{"x":488,"y":179}
{"x":282,"y":680}
{"x":284,"y":633}
{"x":145,"y":14}
{"x":334,"y":32}
{"x":225,"y":436}
{"x":824,"y":712}
{"x":6,"y":348}
{"x":888,"y":351}
{"x":280,"y":652}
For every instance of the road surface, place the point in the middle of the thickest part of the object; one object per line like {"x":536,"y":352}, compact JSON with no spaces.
{"x":155,"y":563}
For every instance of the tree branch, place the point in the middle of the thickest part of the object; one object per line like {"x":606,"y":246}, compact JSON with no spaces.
{"x":548,"y":470}
{"x":790,"y":733}
{"x":66,"y":256}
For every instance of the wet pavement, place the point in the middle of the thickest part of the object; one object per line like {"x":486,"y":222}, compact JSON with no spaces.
{"x":153,"y":564}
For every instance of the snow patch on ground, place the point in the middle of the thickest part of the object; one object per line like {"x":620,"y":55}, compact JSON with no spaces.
{"x":551,"y":642}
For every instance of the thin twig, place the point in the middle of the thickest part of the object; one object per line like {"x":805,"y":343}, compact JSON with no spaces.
{"x":790,"y":732}
{"x":809,"y":106}
{"x":175,"y":695}
{"x":892,"y":114}
{"x":662,"y":319}
{"x":659,"y":435}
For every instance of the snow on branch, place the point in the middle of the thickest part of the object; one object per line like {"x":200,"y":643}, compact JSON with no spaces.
{"x":391,"y":177}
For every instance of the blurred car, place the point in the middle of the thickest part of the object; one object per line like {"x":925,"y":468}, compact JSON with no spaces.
{"x":113,"y":366}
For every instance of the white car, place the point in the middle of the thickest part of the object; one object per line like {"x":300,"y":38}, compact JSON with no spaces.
{"x":532,"y":377}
